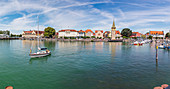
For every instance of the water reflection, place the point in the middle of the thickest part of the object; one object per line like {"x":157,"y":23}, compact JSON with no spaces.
{"x":99,"y":46}
{"x":38,"y":60}
{"x":31,"y":43}
{"x":156,"y":65}
{"x":113,"y":46}
{"x":50,"y":45}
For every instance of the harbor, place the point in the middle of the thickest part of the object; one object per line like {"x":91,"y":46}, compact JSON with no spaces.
{"x":76,"y":65}
{"x":84,"y":44}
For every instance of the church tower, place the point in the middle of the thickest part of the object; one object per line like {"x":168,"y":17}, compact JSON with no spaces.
{"x":113,"y":31}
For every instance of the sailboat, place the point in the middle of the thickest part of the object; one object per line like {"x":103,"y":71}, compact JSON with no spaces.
{"x":42,"y":52}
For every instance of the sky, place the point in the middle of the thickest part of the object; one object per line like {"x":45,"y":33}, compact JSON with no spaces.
{"x":138,"y":15}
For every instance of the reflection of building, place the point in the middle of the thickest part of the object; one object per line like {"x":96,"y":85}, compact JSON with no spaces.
{"x":155,"y":34}
{"x":113,"y":46}
{"x":33,"y":33}
{"x":31,"y":44}
{"x":113,"y":31}
{"x":99,"y":46}
{"x":89,"y":33}
{"x":67,"y":33}
{"x":99,"y":33}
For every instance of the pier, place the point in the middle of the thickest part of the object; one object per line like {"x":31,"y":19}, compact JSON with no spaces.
{"x":10,"y":38}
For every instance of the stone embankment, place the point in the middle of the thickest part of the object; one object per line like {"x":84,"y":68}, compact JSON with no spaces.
{"x":10,"y":38}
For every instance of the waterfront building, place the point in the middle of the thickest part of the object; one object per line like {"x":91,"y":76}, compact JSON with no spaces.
{"x":67,"y":33}
{"x":136,"y":34}
{"x":32,"y":34}
{"x":89,"y":33}
{"x":81,"y":33}
{"x":108,"y":34}
{"x":118,"y":34}
{"x":159,"y":34}
{"x":147,"y":34}
{"x":113,"y":31}
{"x":56,"y":34}
{"x":98,"y":33}
{"x":4,"y":36}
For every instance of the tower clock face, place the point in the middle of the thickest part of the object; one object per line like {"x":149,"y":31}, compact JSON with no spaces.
{"x":113,"y":27}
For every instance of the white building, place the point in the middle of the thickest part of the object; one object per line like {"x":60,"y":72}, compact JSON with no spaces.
{"x":67,"y":33}
{"x":32,"y":34}
{"x":89,"y":33}
{"x":159,"y":34}
{"x":4,"y":36}
{"x":81,"y":33}
{"x":99,"y":34}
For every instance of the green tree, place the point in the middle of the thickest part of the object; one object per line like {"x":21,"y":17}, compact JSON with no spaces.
{"x":92,"y":36}
{"x":126,"y":32}
{"x":150,"y":37}
{"x":49,"y":32}
{"x":167,"y":35}
{"x":143,"y":36}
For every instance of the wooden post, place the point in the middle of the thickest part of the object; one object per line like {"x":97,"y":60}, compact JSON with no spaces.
{"x":156,"y":48}
{"x":156,"y":52}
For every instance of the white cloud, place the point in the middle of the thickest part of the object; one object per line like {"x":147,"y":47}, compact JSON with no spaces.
{"x":80,"y":15}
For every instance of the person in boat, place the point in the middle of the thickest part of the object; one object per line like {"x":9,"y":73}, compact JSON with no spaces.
{"x":47,"y":51}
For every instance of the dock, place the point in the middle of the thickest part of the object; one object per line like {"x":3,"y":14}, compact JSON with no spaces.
{"x":10,"y":38}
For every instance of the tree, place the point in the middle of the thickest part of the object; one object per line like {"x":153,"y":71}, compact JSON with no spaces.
{"x":92,"y":36}
{"x":49,"y":32}
{"x":126,"y":32}
{"x":167,"y":35}
{"x":150,"y":37}
{"x":143,"y":36}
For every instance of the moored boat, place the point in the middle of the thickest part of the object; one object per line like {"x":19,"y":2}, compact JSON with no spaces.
{"x":137,"y":43}
{"x":43,"y":52}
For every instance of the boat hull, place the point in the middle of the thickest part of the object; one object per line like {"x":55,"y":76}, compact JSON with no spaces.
{"x":39,"y":55}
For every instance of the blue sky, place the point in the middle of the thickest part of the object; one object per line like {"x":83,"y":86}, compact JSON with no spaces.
{"x":138,"y":15}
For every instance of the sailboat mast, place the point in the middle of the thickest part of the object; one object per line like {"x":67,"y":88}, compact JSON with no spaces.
{"x":38,"y":31}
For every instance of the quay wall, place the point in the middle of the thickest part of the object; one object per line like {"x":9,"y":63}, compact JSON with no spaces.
{"x":10,"y":38}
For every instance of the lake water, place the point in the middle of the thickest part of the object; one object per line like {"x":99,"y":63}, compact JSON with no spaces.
{"x":82,"y":65}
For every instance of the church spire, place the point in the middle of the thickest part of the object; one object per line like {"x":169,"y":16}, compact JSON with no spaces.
{"x":113,"y":26}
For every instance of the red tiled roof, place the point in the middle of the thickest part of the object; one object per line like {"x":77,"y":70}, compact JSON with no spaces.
{"x":156,"y":32}
{"x":147,"y":34}
{"x":98,"y":30}
{"x":71,"y":30}
{"x":28,"y":31}
{"x":117,"y":32}
{"x":89,"y":30}
{"x":40,"y":32}
{"x":81,"y":31}
{"x":136,"y":34}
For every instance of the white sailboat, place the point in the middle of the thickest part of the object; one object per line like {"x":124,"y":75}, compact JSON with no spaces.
{"x":42,"y":52}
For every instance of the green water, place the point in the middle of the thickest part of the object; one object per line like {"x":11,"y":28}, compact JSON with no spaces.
{"x":82,"y":65}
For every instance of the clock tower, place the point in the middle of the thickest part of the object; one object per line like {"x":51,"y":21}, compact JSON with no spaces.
{"x":113,"y":31}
